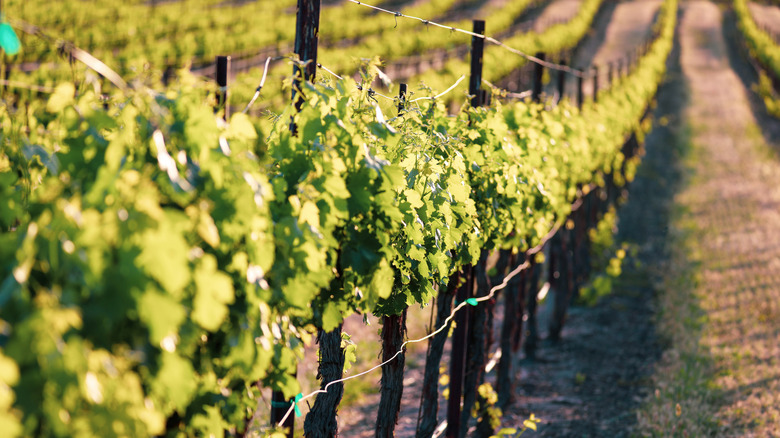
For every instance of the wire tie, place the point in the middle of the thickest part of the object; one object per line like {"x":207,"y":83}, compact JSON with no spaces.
{"x":470,"y":301}
{"x":297,"y":409}
{"x":278,"y":404}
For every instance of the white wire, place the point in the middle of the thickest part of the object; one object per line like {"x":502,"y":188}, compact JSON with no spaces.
{"x":262,"y":82}
{"x":90,"y":61}
{"x":17,"y":84}
{"x":550,"y":65}
{"x":443,"y":93}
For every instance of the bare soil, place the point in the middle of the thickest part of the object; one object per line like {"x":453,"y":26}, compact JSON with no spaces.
{"x":557,"y":11}
{"x":766,"y":15}
{"x":620,"y":29}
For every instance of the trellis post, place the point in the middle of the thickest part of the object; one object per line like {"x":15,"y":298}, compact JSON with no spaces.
{"x":307,"y":29}
{"x":222,"y":76}
{"x":561,"y":80}
{"x":477,"y":53}
{"x":536,"y":93}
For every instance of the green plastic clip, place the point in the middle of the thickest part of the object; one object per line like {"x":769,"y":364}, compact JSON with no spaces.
{"x":278,"y":404}
{"x":297,"y":399}
{"x":8,"y":39}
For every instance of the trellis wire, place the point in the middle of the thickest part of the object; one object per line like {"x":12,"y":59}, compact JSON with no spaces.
{"x":262,"y":82}
{"x":85,"y":57}
{"x":32,"y":87}
{"x":534,"y":59}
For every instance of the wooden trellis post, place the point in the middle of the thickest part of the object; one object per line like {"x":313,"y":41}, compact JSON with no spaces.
{"x":307,"y":29}
{"x":561,"y":81}
{"x":401,"y":98}
{"x":536,"y":93}
{"x":477,"y":52}
{"x":222,"y":76}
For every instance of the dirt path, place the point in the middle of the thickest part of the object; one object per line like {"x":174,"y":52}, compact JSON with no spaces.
{"x":766,"y":15}
{"x":731,"y":208}
{"x":626,"y":25}
{"x":557,"y":11}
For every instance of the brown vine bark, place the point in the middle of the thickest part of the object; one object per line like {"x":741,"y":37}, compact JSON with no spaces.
{"x":392,"y":387}
{"x":429,"y":404}
{"x":475,"y":360}
{"x":321,"y":420}
{"x":511,"y":329}
{"x":562,"y":287}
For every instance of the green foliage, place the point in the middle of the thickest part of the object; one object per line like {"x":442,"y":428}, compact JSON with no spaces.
{"x":485,"y":406}
{"x":137,"y":275}
{"x":767,"y":92}
{"x":350,"y":351}
{"x":531,"y":423}
{"x":760,"y":43}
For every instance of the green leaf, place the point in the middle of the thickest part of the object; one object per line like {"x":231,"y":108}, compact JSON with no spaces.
{"x":309,"y":214}
{"x":175,"y":382}
{"x":207,"y":229}
{"x":164,"y":254}
{"x":413,"y":198}
{"x":331,"y":316}
{"x":382,"y":281}
{"x":161,"y":313}
{"x":214,"y":290}
{"x":360,"y":194}
{"x":250,"y":356}
{"x":287,"y":385}
{"x":210,"y":423}
{"x":201,"y":133}
{"x":62,"y":97}
{"x":459,"y":190}
{"x":241,"y":128}
{"x":362,"y":254}
{"x":9,"y":372}
{"x":350,"y":351}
